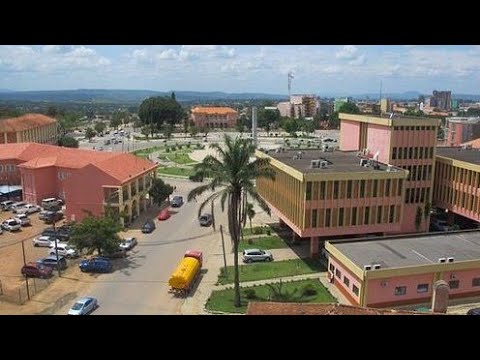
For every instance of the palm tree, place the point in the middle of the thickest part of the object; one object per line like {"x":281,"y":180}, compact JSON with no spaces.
{"x":234,"y":174}
{"x":250,"y":214}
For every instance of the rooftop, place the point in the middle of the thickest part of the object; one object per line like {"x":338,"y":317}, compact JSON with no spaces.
{"x":213,"y":110}
{"x":475,"y":143}
{"x":338,"y":161}
{"x":458,"y":153}
{"x":25,"y":122}
{"x":277,"y":308}
{"x":385,"y":120}
{"x":415,"y":250}
{"x":467,"y":120}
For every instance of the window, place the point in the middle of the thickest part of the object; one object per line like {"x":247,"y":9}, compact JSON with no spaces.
{"x":431,"y":153}
{"x":400,"y":290}
{"x":355,"y":290}
{"x":379,"y":215}
{"x":405,"y":150}
{"x":346,"y":281}
{"x":354,"y":216}
{"x":375,"y":188}
{"x":387,"y":187}
{"x":422,"y":288}
{"x":340,"y":217}
{"x":392,"y":214}
{"x":454,"y":284}
{"x":322,"y":190}
{"x":400,"y":184}
{"x":314,"y":218}
{"x":1,"y":168}
{"x":349,"y":189}
{"x":410,"y":153}
{"x":367,"y":215}
{"x":362,"y":188}
{"x":338,"y":274}
{"x":332,"y":268}
{"x":415,"y":153}
{"x":407,"y":196}
{"x":335,"y":189}
{"x":309,"y":190}
{"x":394,"y":153}
{"x":476,"y":282}
{"x":328,"y":213}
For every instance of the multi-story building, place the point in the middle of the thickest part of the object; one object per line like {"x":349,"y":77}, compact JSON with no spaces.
{"x":309,"y":102}
{"x":409,"y":143}
{"x":441,"y":100}
{"x":462,"y":129}
{"x":214,"y":117}
{"x":325,"y":194}
{"x":403,"y":270}
{"x":457,"y":182}
{"x":29,"y":128}
{"x":88,"y":181}
{"x":386,"y":106}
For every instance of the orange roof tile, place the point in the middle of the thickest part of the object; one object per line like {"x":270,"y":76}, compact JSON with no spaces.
{"x":213,"y":110}
{"x":475,"y":143}
{"x":277,"y":308}
{"x":121,"y":166}
{"x":25,"y":122}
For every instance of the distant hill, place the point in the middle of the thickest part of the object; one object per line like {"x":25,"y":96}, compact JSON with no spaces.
{"x":125,"y":96}
{"x":5,"y":90}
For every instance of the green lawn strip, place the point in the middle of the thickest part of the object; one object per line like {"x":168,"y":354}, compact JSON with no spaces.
{"x":262,"y":242}
{"x":181,"y":171}
{"x":179,"y":158}
{"x":222,"y":300}
{"x":258,"y":230}
{"x":148,"y":151}
{"x":271,"y":270}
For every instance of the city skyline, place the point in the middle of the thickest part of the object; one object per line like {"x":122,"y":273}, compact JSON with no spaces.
{"x":243,"y":68}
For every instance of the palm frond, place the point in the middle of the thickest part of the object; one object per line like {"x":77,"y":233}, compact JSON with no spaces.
{"x":253,"y":193}
{"x":208,"y":199}
{"x":199,"y":190}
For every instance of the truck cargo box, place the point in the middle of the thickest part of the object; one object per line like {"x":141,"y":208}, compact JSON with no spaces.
{"x":185,"y":273}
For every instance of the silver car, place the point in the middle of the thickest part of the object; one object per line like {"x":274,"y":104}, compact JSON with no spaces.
{"x":22,"y":219}
{"x":11,"y":225}
{"x":84,"y":306}
{"x":250,"y":255}
{"x":44,"y":241}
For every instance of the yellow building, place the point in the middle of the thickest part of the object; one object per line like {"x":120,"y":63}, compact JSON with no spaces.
{"x":36,"y":128}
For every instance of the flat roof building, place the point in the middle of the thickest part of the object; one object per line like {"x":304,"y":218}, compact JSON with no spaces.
{"x":29,"y":128}
{"x":462,"y":129}
{"x":214,"y":117}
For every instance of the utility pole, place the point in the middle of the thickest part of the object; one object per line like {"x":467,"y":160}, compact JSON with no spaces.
{"x":213,"y":216}
{"x":56,"y":247}
{"x":25,"y":264}
{"x":224,"y":254}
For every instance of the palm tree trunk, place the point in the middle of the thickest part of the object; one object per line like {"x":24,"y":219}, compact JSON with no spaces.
{"x":234,"y":227}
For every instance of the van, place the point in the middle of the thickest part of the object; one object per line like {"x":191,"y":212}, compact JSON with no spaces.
{"x":6,"y":205}
{"x":50,"y":203}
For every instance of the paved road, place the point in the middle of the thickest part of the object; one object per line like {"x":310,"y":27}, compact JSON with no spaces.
{"x":140,"y":283}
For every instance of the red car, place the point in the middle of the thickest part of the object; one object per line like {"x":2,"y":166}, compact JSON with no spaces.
{"x":37,"y":270}
{"x":164,"y":214}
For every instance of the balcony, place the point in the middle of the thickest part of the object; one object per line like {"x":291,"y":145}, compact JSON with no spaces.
{"x":111,"y":196}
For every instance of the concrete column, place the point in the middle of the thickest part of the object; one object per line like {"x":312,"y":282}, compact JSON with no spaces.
{"x":314,"y":247}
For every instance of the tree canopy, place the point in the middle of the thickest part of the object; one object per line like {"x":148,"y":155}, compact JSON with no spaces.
{"x":100,"y":127}
{"x":160,"y":191}
{"x":349,"y":108}
{"x":96,"y":233}
{"x":68,"y":141}
{"x":89,"y":133}
{"x":161,"y":110}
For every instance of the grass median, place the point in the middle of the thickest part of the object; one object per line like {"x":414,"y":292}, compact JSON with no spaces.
{"x":263,"y":243}
{"x":179,"y":171}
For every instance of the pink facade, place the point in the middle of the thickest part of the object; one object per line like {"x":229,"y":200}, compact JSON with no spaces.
{"x":378,"y":140}
{"x":214,"y":117}
{"x":459,"y":132}
{"x":336,"y":269}
{"x":349,"y":135}
{"x":9,"y":174}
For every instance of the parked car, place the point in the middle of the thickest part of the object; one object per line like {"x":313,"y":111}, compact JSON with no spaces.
{"x":148,"y":227}
{"x":50,"y":204}
{"x":51,"y":261}
{"x":11,"y":225}
{"x":96,"y":265}
{"x":440,"y":225}
{"x":22,"y":219}
{"x":128,"y":243}
{"x":60,"y":234}
{"x":206,"y":220}
{"x":53,"y":217}
{"x":164,"y":214}
{"x":44,"y":241}
{"x":474,"y":311}
{"x":120,"y":253}
{"x":29,"y":209}
{"x":83,"y":306}
{"x":64,"y":250}
{"x":36,"y":270}
{"x":6,"y":205}
{"x":177,"y":201}
{"x":250,"y":255}
{"x":17,"y":206}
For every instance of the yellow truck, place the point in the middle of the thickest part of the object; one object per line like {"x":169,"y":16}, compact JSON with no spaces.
{"x":187,"y":271}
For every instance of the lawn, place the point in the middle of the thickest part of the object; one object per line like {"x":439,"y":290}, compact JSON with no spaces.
{"x":145,"y":152}
{"x":275,"y":269}
{"x":257,"y":230}
{"x":263,"y":242}
{"x":222,"y":300}
{"x":176,"y":171}
{"x":179,"y":158}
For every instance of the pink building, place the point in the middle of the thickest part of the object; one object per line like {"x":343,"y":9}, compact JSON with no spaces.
{"x":402,"y":270}
{"x":88,"y":181}
{"x":214,"y":117}
{"x":409,"y":143}
{"x":462,"y":129}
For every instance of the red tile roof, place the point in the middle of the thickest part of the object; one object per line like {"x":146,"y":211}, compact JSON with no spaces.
{"x":475,"y":143}
{"x":213,"y":110}
{"x":277,"y":308}
{"x":121,"y":166}
{"x":25,"y":122}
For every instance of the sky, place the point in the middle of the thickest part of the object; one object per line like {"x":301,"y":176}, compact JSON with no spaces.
{"x":317,"y":69}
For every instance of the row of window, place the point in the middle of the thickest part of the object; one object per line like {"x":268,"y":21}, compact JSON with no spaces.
{"x":414,"y":128}
{"x":352,"y":189}
{"x":461,"y":199}
{"x":419,"y":172}
{"x":423,"y":288}
{"x":417,"y":195}
{"x":448,"y":172}
{"x":336,"y":217}
{"x":346,"y":280}
{"x":7,"y":168}
{"x":412,"y":153}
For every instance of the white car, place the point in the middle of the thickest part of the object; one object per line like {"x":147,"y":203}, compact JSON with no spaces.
{"x":44,"y":241}
{"x":64,"y":250}
{"x":84,"y":306}
{"x":29,"y":209}
{"x":23,"y":219}
{"x":11,"y":225}
{"x":17,"y":206}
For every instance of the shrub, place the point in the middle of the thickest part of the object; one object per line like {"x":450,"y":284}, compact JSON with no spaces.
{"x":196,"y":178}
{"x":250,"y":241}
{"x":188,"y":146}
{"x":180,"y":147}
{"x":257,"y":231}
{"x":167,"y":149}
{"x":250,"y":294}
{"x":269,"y":231}
{"x":309,"y":290}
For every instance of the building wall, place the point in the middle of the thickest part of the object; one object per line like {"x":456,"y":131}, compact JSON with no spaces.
{"x":349,"y":135}
{"x":46,"y":134}
{"x":459,"y":133}
{"x":39,"y":184}
{"x":337,"y":269}
{"x":202,"y":120}
{"x":457,"y":187}
{"x":378,"y":140}
{"x":9,"y":173}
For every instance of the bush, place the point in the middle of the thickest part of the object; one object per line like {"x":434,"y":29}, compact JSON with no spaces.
{"x":188,"y":146}
{"x":257,"y":231}
{"x":250,"y":294}
{"x":167,"y":149}
{"x":309,"y":290}
{"x":269,"y":231}
{"x":250,"y":241}
{"x":180,"y":147}
{"x":199,"y":146}
{"x":196,"y":178}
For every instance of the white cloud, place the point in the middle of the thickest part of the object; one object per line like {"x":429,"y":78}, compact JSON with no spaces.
{"x":348,"y":52}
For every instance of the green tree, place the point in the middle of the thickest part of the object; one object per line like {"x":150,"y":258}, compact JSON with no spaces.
{"x":193,"y":131}
{"x":307,"y":126}
{"x":206,"y":130}
{"x":168,"y":130}
{"x":160,"y":191}
{"x":349,"y":108}
{"x":418,"y":218}
{"x":116,"y":120}
{"x":52,"y":111}
{"x":100,"y":127}
{"x":426,"y":210}
{"x":89,"y":133}
{"x":96,"y":233}
{"x":90,"y":113}
{"x":245,"y":121}
{"x":239,"y":126}
{"x":160,"y":110}
{"x":267,"y":118}
{"x":68,"y":141}
{"x":234,"y":175}
{"x":334,"y":121}
{"x":251,"y":215}
{"x":137,"y":124}
{"x":290,"y":125}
